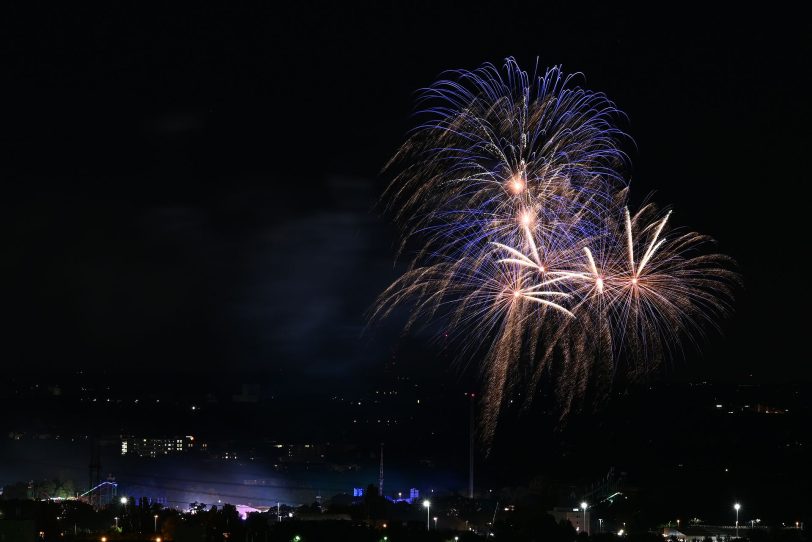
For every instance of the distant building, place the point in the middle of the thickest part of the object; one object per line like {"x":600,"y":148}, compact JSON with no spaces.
{"x":700,"y":533}
{"x":229,"y":455}
{"x":300,"y":453}
{"x":414,"y":496}
{"x":156,"y":447}
{"x":575,"y":516}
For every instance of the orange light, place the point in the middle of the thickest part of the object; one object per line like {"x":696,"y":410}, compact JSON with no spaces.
{"x":634,"y":281}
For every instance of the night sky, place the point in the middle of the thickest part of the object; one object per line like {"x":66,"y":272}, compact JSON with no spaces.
{"x":196,"y":190}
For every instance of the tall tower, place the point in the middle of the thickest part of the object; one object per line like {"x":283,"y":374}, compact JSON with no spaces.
{"x":94,"y":474}
{"x":380,"y":474}
{"x":471,"y":448}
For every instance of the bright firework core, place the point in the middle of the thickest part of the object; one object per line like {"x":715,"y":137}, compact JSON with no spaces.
{"x":516,"y":183}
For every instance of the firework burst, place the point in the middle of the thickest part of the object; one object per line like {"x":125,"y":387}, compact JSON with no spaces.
{"x":513,"y":191}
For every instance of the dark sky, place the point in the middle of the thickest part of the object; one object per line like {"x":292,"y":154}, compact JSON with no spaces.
{"x":195,"y":189}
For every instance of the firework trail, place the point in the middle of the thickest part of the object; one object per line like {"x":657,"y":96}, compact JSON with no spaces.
{"x":513,"y":192}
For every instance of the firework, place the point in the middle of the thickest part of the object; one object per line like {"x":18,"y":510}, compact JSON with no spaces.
{"x":513,"y":192}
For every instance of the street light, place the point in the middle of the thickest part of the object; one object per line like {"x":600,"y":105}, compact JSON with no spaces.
{"x":435,"y":523}
{"x":427,"y":504}
{"x":155,"y":517}
{"x":584,"y":506}
{"x":123,"y":500}
{"x":737,"y":507}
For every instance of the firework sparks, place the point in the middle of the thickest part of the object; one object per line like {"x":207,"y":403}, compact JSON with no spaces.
{"x":513,"y":188}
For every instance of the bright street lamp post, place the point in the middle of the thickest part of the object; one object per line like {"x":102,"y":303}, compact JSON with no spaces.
{"x":737,"y":507}
{"x":155,"y":529}
{"x":124,"y":501}
{"x":584,"y":506}
{"x":435,"y":523}
{"x":427,"y":504}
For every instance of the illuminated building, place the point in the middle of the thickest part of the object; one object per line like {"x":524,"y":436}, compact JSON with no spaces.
{"x":156,"y":447}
